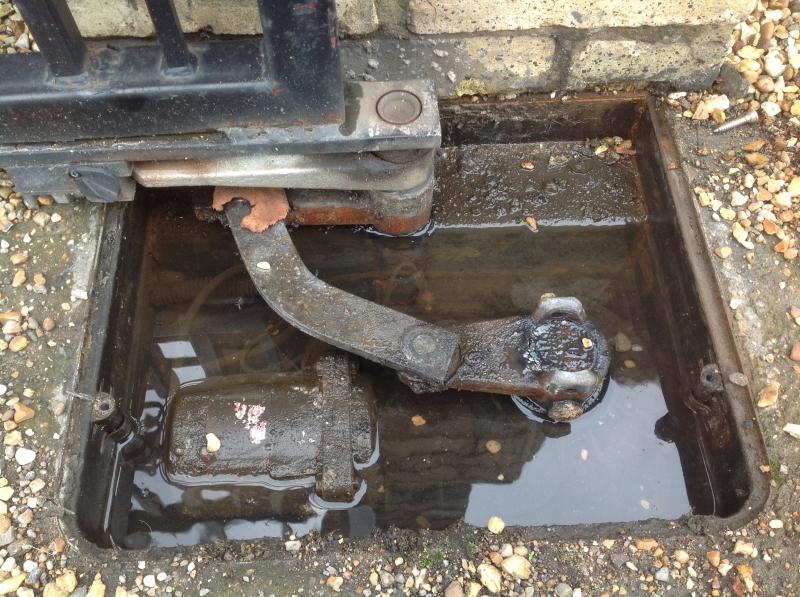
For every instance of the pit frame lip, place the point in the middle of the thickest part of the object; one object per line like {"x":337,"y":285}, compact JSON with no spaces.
{"x":729,"y":353}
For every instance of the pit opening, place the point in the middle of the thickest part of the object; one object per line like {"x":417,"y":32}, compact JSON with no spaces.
{"x":613,"y":231}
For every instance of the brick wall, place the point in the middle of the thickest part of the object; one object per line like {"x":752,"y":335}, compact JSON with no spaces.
{"x":487,"y":46}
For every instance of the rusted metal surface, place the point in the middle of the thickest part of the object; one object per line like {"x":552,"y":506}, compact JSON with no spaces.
{"x":552,"y":355}
{"x":336,"y":317}
{"x":280,"y":430}
{"x":391,"y":212}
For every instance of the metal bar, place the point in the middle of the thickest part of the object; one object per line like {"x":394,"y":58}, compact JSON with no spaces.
{"x":301,"y":49}
{"x":57,"y":35}
{"x":351,"y":171}
{"x":334,"y":316}
{"x":170,"y":35}
{"x":26,"y":116}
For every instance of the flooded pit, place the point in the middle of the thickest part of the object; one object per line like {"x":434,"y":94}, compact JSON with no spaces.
{"x":649,"y":449}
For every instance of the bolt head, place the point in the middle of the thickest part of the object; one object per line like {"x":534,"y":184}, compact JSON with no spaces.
{"x":399,"y":107}
{"x":423,"y":344}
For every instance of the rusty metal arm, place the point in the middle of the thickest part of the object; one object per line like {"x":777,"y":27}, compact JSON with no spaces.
{"x":359,"y":326}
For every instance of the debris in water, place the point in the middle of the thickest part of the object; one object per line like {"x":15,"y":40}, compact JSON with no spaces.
{"x":423,"y":522}
{"x":493,"y":446}
{"x":584,"y":454}
{"x":417,"y":420}
{"x":769,"y":395}
{"x":621,"y":342}
{"x":212,"y":442}
{"x":526,"y":166}
{"x":586,"y":342}
{"x":496,"y":525}
{"x":630,"y":364}
{"x":532,"y":223}
{"x":263,"y":265}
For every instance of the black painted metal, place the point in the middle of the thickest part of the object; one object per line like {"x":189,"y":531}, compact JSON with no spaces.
{"x":179,"y":60}
{"x":291,"y":76}
{"x":56,"y":34}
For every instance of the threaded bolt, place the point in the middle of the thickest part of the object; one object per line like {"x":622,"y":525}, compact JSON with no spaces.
{"x":749,"y":116}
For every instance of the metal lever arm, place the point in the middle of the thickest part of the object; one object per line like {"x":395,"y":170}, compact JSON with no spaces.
{"x":359,"y":326}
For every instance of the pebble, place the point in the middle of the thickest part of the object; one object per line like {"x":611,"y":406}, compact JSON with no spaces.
{"x":212,"y":442}
{"x":491,"y":578}
{"x":18,"y":343}
{"x":23,"y":413}
{"x":621,"y":342}
{"x":769,"y":395}
{"x":149,"y":581}
{"x":19,"y":258}
{"x":792,"y":429}
{"x":55,"y":217}
{"x":646,"y":544}
{"x":681,"y":556}
{"x":24,"y":456}
{"x":506,"y":550}
{"x":776,"y":524}
{"x":739,"y":379}
{"x":563,"y":590}
{"x":10,"y":585}
{"x":774,"y":66}
{"x":19,"y":278}
{"x":723,"y":252}
{"x":517,"y":567}
{"x":662,"y":574}
{"x":293,"y":545}
{"x":454,"y":589}
{"x":743,"y":548}
{"x":795,"y":353}
{"x":98,"y":589}
{"x":496,"y":525}
{"x":48,"y":324}
{"x":67,"y":581}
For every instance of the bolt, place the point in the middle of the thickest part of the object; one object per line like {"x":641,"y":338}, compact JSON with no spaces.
{"x":424,"y":344}
{"x":399,"y":107}
{"x":748,"y":117}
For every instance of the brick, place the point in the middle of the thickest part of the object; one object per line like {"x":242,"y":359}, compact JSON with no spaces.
{"x":468,"y":16}
{"x":123,"y":18}
{"x":483,"y":64}
{"x":686,"y":64}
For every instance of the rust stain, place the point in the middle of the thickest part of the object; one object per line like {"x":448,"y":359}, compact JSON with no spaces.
{"x":269,"y":205}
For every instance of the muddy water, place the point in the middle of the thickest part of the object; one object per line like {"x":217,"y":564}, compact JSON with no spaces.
{"x":476,"y":260}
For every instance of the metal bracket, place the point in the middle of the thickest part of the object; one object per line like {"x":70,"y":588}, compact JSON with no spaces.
{"x":104,"y":183}
{"x":553,"y":356}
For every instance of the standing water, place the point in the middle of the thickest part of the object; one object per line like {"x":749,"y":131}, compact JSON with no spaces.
{"x":510,"y":223}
